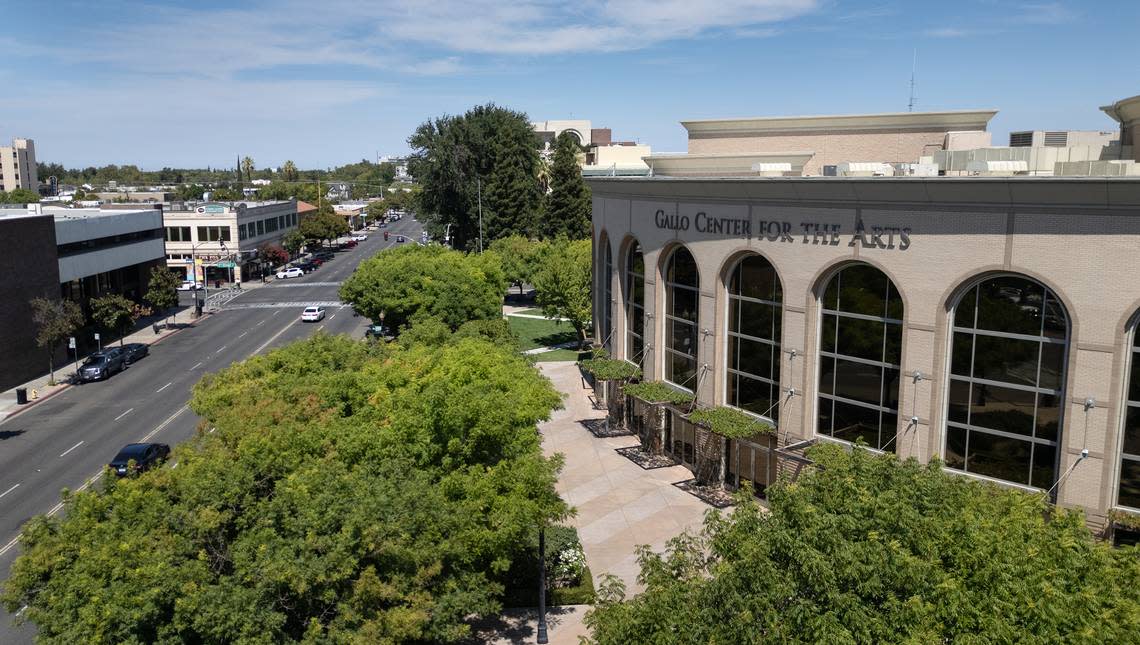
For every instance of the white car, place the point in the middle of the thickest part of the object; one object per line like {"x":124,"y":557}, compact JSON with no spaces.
{"x":291,"y":272}
{"x":313,"y":314}
{"x":189,"y":285}
{"x":358,"y":238}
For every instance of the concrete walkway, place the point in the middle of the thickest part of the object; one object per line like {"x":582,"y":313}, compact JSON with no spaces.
{"x":620,"y":506}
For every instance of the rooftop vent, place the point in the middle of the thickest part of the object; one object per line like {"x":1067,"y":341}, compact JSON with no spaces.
{"x":997,"y":168}
{"x":772,"y":169}
{"x":865,"y":169}
{"x":1056,"y":139}
{"x":1020,"y":139}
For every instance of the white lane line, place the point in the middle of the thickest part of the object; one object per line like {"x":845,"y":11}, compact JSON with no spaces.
{"x":129,"y":410}
{"x":174,"y":465}
{"x":273,"y":338}
{"x":70,"y":449}
{"x":90,"y":480}
{"x":22,"y":610}
{"x":320,"y":328}
{"x":55,"y":509}
{"x":220,"y":349}
{"x":9,"y":490}
{"x":164,"y":387}
{"x":332,"y":316}
{"x":196,"y":366}
{"x":8,"y":547}
{"x":164,"y":423}
{"x":243,"y":333}
{"x":276,"y":312}
{"x":260,"y":324}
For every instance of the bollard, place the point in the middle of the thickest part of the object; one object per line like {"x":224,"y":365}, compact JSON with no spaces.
{"x":35,"y":394}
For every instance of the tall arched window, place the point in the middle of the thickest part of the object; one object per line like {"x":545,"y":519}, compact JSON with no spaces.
{"x":754,"y":317}
{"x":682,"y":299}
{"x":1007,"y":371}
{"x":606,"y":311}
{"x":860,"y":354}
{"x":1128,"y":490}
{"x":635,"y":305}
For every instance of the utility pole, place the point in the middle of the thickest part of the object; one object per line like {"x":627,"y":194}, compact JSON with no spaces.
{"x":479,"y":189}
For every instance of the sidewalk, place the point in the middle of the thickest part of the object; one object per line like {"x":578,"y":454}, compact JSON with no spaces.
{"x":620,"y":506}
{"x":39,"y":390}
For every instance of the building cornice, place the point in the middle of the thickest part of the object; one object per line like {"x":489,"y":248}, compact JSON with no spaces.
{"x":945,"y":120}
{"x":1125,"y":110}
{"x":722,"y":164}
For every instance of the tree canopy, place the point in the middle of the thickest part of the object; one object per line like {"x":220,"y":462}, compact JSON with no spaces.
{"x":871,"y":549}
{"x":562,"y":283}
{"x":453,"y":154}
{"x":433,"y":280}
{"x":568,"y":206}
{"x":351,"y":492}
{"x":19,"y":196}
{"x":115,"y":312}
{"x":162,"y":289}
{"x":55,"y":319}
{"x":520,"y":257}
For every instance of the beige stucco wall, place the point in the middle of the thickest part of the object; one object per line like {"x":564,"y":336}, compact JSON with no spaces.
{"x":831,"y":147}
{"x":1086,"y":252}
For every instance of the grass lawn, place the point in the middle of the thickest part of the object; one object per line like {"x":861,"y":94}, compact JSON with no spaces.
{"x":534,"y":333}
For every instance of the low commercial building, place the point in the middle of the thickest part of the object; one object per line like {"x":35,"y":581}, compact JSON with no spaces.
{"x":18,"y":166}
{"x":986,"y":322}
{"x":218,"y":242}
{"x":77,"y":254}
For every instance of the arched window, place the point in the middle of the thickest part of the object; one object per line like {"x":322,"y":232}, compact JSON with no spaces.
{"x":1007,"y":372}
{"x":606,"y":311}
{"x":754,"y":317}
{"x":682,"y":299}
{"x":635,"y":305}
{"x":1128,"y":490}
{"x":860,"y":354}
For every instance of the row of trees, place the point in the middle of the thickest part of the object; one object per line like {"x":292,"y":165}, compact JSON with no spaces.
{"x":19,"y":196}
{"x":485,"y":165}
{"x":559,"y":270}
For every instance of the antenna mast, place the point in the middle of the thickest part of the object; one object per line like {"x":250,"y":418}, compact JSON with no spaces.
{"x":913,"y":65}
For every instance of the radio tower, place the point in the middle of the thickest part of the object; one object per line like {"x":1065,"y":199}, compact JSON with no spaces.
{"x":913,"y":64}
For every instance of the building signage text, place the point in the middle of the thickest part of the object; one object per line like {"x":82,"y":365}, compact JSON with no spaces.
{"x":882,"y":237}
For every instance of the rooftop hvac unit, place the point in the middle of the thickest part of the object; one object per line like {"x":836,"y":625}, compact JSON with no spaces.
{"x":1056,"y":139}
{"x":865,"y":169}
{"x":928,"y":169}
{"x":997,"y":168}
{"x":1020,"y":139}
{"x":772,"y":169}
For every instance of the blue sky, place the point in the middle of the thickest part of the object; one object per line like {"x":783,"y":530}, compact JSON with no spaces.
{"x":197,"y":83}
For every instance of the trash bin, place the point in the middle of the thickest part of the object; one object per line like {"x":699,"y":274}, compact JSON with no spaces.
{"x":155,"y":326}
{"x":21,"y":395}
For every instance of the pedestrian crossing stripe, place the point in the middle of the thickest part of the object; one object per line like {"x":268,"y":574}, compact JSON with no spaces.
{"x":284,"y":305}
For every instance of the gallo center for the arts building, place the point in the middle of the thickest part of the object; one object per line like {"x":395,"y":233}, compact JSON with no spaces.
{"x":986,"y":315}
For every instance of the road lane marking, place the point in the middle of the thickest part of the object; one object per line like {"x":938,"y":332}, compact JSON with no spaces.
{"x":320,"y":328}
{"x":90,"y":480}
{"x":22,"y":610}
{"x":220,"y":349}
{"x":275,"y":337}
{"x":276,"y":312}
{"x":164,"y":423}
{"x":164,"y":387}
{"x":129,"y":410}
{"x":260,"y":323}
{"x":70,"y":449}
{"x":243,"y":333}
{"x":8,"y":547}
{"x":332,"y":316}
{"x":9,"y":490}
{"x":196,"y":366}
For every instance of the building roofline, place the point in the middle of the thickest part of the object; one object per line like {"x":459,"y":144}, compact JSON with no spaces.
{"x":1124,"y":110}
{"x":947,"y":119}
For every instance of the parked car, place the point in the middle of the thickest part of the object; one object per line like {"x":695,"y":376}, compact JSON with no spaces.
{"x":374,"y":331}
{"x":143,"y":455}
{"x":313,"y":314}
{"x":400,"y":239}
{"x":101,"y":365}
{"x":307,"y":266}
{"x":323,"y":256}
{"x":135,"y":351}
{"x":189,"y":285}
{"x":358,"y":238}
{"x":291,"y":272}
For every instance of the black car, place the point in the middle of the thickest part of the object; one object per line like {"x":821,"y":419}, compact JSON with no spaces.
{"x":102,"y":365}
{"x":324,"y":256}
{"x":144,"y":455}
{"x":374,"y":331}
{"x":134,"y":351}
{"x":400,"y":238}
{"x":307,"y":267}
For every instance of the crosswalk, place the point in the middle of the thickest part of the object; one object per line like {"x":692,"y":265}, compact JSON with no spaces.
{"x":306,"y":284}
{"x":328,"y":304}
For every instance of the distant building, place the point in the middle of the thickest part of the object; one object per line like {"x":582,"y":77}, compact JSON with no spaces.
{"x":218,"y":241}
{"x":73,"y":253}
{"x":18,"y":166}
{"x":603,"y":155}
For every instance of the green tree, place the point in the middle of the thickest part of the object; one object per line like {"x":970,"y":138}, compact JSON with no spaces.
{"x":350,"y":492}
{"x":162,"y":289}
{"x":55,"y":320}
{"x":568,"y":206}
{"x":453,"y":154}
{"x":271,"y":254}
{"x":289,"y":170}
{"x":19,"y":196}
{"x":520,"y":257}
{"x":377,"y":210}
{"x":293,"y":242}
{"x":563,"y":284}
{"x":415,"y":281}
{"x":247,"y":167}
{"x":115,"y":313}
{"x":871,"y":549}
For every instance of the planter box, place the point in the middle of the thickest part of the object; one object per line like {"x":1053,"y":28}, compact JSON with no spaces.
{"x":646,"y":419}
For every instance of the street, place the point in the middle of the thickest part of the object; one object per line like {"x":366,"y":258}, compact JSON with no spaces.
{"x":66,"y":441}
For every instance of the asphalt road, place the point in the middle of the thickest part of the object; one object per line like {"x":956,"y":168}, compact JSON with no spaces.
{"x":64,"y":442}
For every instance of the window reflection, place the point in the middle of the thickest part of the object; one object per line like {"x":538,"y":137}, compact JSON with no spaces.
{"x":635,"y":305}
{"x":754,"y":316}
{"x":1128,"y":490}
{"x":1006,"y":373}
{"x":682,"y":298}
{"x":860,"y":353}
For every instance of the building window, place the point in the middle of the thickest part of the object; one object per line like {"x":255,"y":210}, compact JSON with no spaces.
{"x":682,"y":299}
{"x":1007,"y":373}
{"x":260,"y":227}
{"x":635,"y":305}
{"x":755,"y":312}
{"x":213,"y":233}
{"x":859,"y":358}
{"x":1128,"y":491}
{"x":241,"y":231}
{"x":177,"y":233}
{"x":607,"y":308}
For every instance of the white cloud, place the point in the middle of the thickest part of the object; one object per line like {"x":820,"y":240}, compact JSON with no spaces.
{"x":948,"y":32}
{"x":1046,"y":13}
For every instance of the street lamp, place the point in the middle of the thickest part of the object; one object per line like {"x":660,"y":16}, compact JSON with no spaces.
{"x":542,"y":636}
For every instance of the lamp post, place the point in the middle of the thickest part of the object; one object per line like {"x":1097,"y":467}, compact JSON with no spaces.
{"x":542,"y":637}
{"x":205,"y":281}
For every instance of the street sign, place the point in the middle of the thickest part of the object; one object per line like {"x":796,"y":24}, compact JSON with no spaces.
{"x":71,"y":342}
{"x":225,"y":264}
{"x":97,"y":336}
